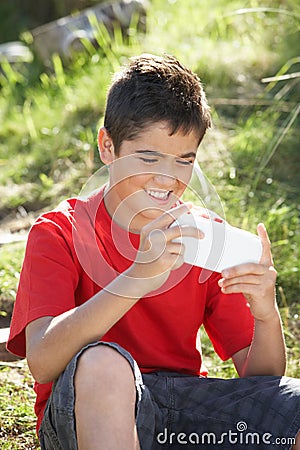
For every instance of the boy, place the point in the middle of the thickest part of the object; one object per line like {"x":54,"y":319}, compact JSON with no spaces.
{"x":105,"y":295}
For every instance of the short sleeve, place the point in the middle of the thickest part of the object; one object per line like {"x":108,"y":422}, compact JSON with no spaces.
{"x":48,"y":279}
{"x":228,"y":320}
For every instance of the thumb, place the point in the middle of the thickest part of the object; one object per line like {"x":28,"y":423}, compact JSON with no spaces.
{"x":266,"y":256}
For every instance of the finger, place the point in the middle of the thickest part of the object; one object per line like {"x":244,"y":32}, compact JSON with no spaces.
{"x":183,"y":231}
{"x":177,"y":248}
{"x":251,"y":284}
{"x":160,"y":241}
{"x":247,"y":279}
{"x":266,"y":257}
{"x":168,"y":217}
{"x":243,"y":288}
{"x":160,"y":237}
{"x":243,"y":269}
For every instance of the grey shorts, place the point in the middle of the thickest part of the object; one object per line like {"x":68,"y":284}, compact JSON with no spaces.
{"x":186,"y":412}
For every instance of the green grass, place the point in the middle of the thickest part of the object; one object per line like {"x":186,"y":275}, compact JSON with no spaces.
{"x":48,"y":147}
{"x":17,"y":419}
{"x":10,"y":264}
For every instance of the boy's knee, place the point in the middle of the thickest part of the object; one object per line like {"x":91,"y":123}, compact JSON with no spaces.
{"x":103,"y":364}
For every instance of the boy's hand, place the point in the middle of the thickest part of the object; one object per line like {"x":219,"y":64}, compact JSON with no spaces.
{"x":158,"y":255}
{"x":255,"y":281}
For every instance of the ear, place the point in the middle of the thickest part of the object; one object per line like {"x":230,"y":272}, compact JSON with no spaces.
{"x":106,"y":146}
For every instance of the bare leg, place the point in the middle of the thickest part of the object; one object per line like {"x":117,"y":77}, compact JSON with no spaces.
{"x":105,"y":401}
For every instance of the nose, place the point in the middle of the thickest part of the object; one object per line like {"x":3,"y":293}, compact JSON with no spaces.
{"x":165,"y":181}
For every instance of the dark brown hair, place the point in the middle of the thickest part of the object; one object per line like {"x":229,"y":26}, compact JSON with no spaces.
{"x":154,"y":89}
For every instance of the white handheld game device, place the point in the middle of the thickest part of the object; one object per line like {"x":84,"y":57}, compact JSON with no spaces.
{"x":223,"y":245}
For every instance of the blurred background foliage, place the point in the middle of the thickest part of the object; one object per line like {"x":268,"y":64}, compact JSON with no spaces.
{"x":22,"y":15}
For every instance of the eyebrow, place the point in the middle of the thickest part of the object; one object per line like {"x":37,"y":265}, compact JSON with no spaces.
{"x":155,"y":153}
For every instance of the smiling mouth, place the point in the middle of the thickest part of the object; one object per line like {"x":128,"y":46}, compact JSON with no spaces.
{"x":159,"y":195}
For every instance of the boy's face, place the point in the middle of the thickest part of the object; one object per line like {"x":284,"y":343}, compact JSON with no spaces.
{"x":149,"y":174}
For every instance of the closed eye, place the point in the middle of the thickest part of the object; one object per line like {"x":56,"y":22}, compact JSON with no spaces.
{"x":185,"y":162}
{"x":149,"y":160}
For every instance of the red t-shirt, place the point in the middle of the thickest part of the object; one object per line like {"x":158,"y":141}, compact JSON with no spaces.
{"x":76,"y":250}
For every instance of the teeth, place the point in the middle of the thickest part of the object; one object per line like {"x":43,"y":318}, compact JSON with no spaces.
{"x":159,"y":195}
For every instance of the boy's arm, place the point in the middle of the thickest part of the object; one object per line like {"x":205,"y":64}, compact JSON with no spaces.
{"x":51,"y":342}
{"x":266,"y":354}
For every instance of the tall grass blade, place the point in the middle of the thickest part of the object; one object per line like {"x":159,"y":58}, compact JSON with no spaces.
{"x":275,"y":144}
{"x":29,"y":120}
{"x":283,"y":70}
{"x":59,"y":71}
{"x":104,"y":40}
